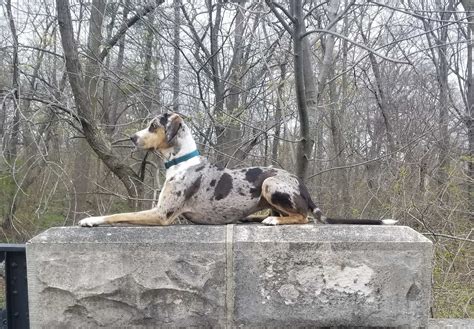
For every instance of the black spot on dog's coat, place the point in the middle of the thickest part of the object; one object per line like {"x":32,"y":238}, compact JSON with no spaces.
{"x":192,"y":189}
{"x":253,"y":174}
{"x":213,"y":182}
{"x":301,"y":204}
{"x":282,"y":199}
{"x":199,"y":168}
{"x":303,"y":200}
{"x":223,"y":187}
{"x":255,"y":192}
{"x":178,"y":193}
{"x":257,"y":183}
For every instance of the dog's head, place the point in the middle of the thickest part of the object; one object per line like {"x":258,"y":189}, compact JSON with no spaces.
{"x":160,"y":133}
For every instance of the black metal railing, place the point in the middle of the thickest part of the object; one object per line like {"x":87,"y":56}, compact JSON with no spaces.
{"x":15,"y":314}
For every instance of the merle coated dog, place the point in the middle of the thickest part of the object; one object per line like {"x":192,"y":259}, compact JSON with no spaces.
{"x":207,"y":194}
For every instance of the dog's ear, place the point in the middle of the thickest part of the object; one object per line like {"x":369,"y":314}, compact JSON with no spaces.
{"x":172,"y":127}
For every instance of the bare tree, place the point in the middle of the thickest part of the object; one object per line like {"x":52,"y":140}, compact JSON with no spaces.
{"x":12,"y":150}
{"x":176,"y":55}
{"x":83,"y":95}
{"x":296,"y":31}
{"x":469,"y":99}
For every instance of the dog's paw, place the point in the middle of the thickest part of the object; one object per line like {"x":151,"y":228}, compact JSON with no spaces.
{"x":272,"y":220}
{"x":91,"y":221}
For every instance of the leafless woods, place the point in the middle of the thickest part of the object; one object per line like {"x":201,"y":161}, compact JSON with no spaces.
{"x":371,"y":102}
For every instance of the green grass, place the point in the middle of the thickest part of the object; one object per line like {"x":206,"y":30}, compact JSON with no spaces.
{"x":50,"y":220}
{"x":453,"y":291}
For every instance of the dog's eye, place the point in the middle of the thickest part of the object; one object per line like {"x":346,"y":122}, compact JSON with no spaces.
{"x":153,"y":126}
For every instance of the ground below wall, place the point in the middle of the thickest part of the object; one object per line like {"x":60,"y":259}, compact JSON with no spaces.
{"x":229,"y":276}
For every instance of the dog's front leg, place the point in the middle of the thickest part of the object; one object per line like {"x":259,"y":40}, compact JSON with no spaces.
{"x":164,"y":214}
{"x":147,"y":217}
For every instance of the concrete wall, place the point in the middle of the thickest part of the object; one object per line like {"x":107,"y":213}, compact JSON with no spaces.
{"x":229,"y":276}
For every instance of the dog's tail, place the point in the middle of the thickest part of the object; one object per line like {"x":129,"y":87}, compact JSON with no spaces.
{"x":318,"y":215}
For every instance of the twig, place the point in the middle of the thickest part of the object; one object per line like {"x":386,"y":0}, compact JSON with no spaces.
{"x":449,"y":236}
{"x":374,"y":159}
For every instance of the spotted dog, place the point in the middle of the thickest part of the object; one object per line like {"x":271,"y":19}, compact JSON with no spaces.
{"x":208,"y":194}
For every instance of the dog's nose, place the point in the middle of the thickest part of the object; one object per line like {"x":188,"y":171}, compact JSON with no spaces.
{"x":134,"y":139}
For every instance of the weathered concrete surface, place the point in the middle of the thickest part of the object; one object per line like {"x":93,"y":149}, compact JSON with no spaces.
{"x":229,"y":276}
{"x":127,"y":277}
{"x":451,"y":324}
{"x":329,"y":275}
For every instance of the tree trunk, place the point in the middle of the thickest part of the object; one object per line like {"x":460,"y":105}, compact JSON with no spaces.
{"x":231,"y":137}
{"x":93,"y":134}
{"x":12,"y":147}
{"x":177,"y":53}
{"x":335,"y":118}
{"x":381,"y":97}
{"x":383,"y":104}
{"x":116,"y":93}
{"x":443,"y":139}
{"x":82,"y":156}
{"x":305,"y":145}
{"x":325,"y":69}
{"x":12,"y":150}
{"x":215,"y":71}
{"x":469,"y":116}
{"x":311,"y":96}
{"x":106,"y":83}
{"x":148,"y":76}
{"x":278,"y":113}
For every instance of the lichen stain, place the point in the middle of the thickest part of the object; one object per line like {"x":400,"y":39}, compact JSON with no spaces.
{"x":348,"y":279}
{"x":343,"y":279}
{"x":289,"y":293}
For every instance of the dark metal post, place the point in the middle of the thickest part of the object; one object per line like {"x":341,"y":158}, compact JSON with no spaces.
{"x":16,"y":286}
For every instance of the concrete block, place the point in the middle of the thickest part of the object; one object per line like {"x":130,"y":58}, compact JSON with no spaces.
{"x":132,"y":277}
{"x":248,"y":276}
{"x":331,"y":275}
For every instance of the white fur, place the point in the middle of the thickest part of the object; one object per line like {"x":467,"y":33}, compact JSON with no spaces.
{"x":271,"y":221}
{"x":142,"y":133}
{"x":187,"y":145}
{"x":92,"y":221}
{"x":181,"y":168}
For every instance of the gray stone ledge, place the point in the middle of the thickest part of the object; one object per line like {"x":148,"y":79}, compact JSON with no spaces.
{"x":135,"y":234}
{"x":451,"y":324}
{"x":246,"y":276}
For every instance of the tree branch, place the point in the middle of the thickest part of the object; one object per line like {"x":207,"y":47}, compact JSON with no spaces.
{"x":354,"y":43}
{"x":272,"y":6}
{"x":374,"y":159}
{"x":129,"y":23}
{"x":287,"y":14}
